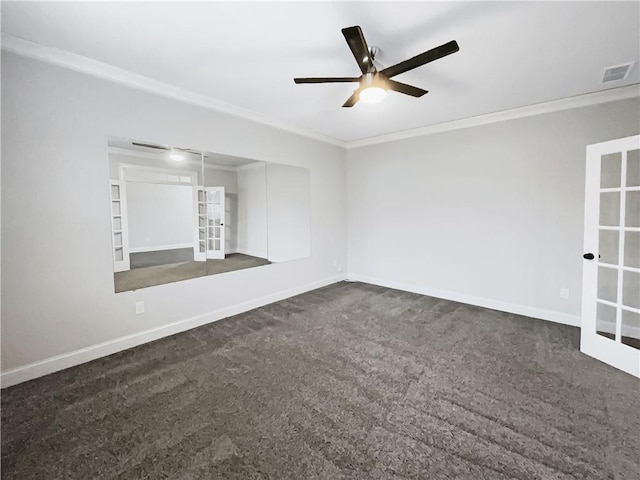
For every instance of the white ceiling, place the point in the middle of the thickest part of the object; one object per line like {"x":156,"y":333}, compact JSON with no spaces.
{"x":511,"y":54}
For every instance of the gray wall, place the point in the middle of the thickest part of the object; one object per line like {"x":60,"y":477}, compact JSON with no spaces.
{"x":489,"y":215}
{"x":159,"y":216}
{"x":215,"y":177}
{"x":288,"y":212}
{"x":57,"y":273}
{"x":252,"y":211}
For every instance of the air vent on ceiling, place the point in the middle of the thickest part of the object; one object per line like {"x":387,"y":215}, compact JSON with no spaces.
{"x":619,"y":72}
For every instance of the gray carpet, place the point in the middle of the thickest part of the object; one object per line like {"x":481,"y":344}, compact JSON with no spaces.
{"x":142,"y":277}
{"x":351,"y":381}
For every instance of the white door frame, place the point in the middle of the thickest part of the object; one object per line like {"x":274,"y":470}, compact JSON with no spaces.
{"x":612,"y":352}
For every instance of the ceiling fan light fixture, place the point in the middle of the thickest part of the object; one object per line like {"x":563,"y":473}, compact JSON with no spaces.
{"x":373,"y":94}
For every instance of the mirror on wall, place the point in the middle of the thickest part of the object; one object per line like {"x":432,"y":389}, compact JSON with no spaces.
{"x":179,"y":213}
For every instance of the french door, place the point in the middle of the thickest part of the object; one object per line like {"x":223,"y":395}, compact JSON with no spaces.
{"x":215,"y":232}
{"x":611,"y":274}
{"x":200,"y":237}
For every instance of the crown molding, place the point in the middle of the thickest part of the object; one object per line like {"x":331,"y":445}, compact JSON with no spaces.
{"x":79,"y":63}
{"x":604,"y":96}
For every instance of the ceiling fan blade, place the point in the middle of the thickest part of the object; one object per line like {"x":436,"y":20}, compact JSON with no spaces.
{"x":404,"y":88}
{"x":418,"y":60}
{"x":353,"y":99}
{"x":359,"y":47}
{"x":327,"y":79}
{"x":148,"y":145}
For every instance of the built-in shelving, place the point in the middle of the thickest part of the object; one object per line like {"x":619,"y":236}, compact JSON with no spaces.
{"x":118,"y":224}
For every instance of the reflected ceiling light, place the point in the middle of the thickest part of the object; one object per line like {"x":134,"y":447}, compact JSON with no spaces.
{"x":176,"y":156}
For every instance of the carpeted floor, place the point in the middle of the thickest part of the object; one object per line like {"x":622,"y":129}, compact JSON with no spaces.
{"x":351,"y":381}
{"x":148,"y":276}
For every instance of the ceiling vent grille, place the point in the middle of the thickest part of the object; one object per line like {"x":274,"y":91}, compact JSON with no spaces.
{"x":619,"y":72}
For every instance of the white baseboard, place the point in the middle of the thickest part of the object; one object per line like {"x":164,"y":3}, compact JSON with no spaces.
{"x":159,"y":248}
{"x":83,"y":355}
{"x":550,"y":315}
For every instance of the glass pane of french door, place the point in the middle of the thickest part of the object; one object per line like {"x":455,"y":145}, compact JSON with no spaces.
{"x":618,"y":260}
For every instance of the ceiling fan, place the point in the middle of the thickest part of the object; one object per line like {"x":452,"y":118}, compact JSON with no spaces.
{"x":374,"y":83}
